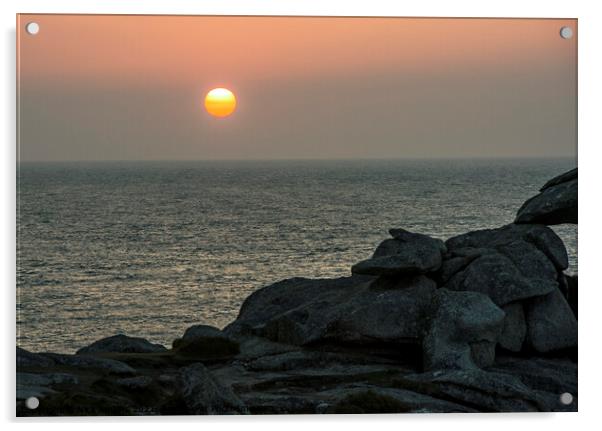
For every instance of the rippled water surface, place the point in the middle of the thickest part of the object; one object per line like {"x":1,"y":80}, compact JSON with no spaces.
{"x":149,"y":249}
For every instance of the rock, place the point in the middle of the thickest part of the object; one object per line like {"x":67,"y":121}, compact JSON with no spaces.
{"x":134,"y":383}
{"x":483,"y":353}
{"x":46,"y":379}
{"x":555,"y":204}
{"x":202,"y":394}
{"x":568,"y":287}
{"x":453,"y":265}
{"x":29,"y":359}
{"x":167,"y":379}
{"x":391,"y":400}
{"x":540,"y":237}
{"x":554,"y":375}
{"x":551,"y":324}
{"x":463,"y":330}
{"x":345,"y":310}
{"x":252,"y":347}
{"x":496,"y":276}
{"x":40,"y":385}
{"x":121,"y":344}
{"x":515,"y":327}
{"x":203,"y":331}
{"x":509,"y":264}
{"x":419,"y":239}
{"x":207,"y":342}
{"x":483,"y":390}
{"x":291,"y":361}
{"x":24,"y":392}
{"x":572,"y":293}
{"x":548,"y":377}
{"x":562,"y":178}
{"x":322,"y":408}
{"x":89,"y":362}
{"x":280,"y":404}
{"x":406,"y":253}
{"x":308,"y":359}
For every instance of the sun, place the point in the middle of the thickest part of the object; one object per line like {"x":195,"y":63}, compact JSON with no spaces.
{"x":220,"y":102}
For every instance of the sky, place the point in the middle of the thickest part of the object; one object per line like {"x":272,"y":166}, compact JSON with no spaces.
{"x":94,"y":87}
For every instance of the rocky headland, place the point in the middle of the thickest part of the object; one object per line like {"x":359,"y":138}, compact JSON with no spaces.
{"x":482,"y":322}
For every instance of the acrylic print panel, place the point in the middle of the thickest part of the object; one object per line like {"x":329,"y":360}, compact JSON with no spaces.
{"x":250,"y":215}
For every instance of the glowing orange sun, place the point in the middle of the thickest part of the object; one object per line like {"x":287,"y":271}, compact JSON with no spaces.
{"x":220,"y":102}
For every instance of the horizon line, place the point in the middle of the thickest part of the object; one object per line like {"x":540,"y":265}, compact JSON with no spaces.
{"x":291,"y":159}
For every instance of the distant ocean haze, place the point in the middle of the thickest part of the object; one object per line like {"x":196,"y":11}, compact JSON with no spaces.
{"x":150,"y":248}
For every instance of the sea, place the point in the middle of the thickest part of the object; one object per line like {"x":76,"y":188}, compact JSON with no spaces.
{"x":150,"y":248}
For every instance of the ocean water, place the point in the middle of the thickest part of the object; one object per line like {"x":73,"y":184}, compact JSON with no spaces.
{"x":150,"y":248}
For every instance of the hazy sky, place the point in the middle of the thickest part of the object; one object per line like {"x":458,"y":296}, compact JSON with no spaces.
{"x":132,"y":87}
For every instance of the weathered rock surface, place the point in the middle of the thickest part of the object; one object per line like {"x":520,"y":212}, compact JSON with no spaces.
{"x":515,"y":327}
{"x":302,"y":381}
{"x":29,"y":360}
{"x":551,"y":323}
{"x":202,"y":394}
{"x":252,"y":347}
{"x":406,"y":253}
{"x":568,"y":287}
{"x":345,"y":310}
{"x":203,"y":331}
{"x":555,"y":376}
{"x":556,"y":204}
{"x":122,"y":344}
{"x":485,"y":391}
{"x":496,"y":276}
{"x":40,"y":385}
{"x":26,"y":358}
{"x":463,"y":330}
{"x":206,"y":341}
{"x":135,"y":383}
{"x":562,"y":178}
{"x":540,"y":237}
{"x":90,"y":362}
{"x":512,"y":263}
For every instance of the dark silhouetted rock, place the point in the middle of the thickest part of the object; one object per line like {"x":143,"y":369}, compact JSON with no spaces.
{"x":540,"y":237}
{"x":496,"y":276}
{"x":464,"y":328}
{"x":391,"y":400}
{"x":512,"y":263}
{"x":203,"y":331}
{"x":134,"y":383}
{"x":551,"y":323}
{"x":207,"y":342}
{"x":485,"y":391}
{"x":345,"y":310}
{"x":121,"y":344}
{"x":562,"y":178}
{"x":568,"y":287}
{"x":515,"y":327}
{"x":89,"y":362}
{"x":41,"y":385}
{"x":555,"y":204}
{"x":202,"y":394}
{"x":406,"y":253}
{"x":554,"y":375}
{"x":253,"y":347}
{"x":455,"y":264}
{"x":26,"y":358}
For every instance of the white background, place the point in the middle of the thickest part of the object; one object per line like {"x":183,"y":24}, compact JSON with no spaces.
{"x":590,"y":121}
